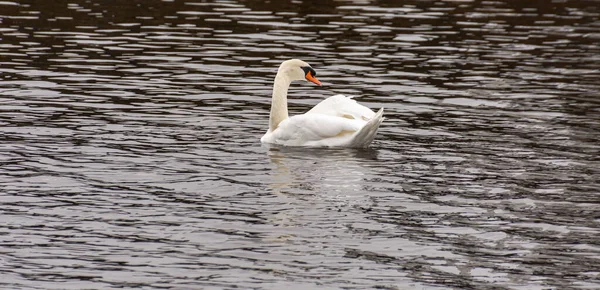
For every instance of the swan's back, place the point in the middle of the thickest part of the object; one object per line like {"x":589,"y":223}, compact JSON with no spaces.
{"x":342,"y":106}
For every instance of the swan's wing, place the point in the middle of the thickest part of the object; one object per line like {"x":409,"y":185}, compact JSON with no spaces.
{"x":342,"y":106}
{"x":313,"y":129}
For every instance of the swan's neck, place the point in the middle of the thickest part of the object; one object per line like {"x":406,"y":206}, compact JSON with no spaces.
{"x":279,"y":108}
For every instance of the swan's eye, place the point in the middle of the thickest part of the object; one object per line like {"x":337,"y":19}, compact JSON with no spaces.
{"x":307,"y":70}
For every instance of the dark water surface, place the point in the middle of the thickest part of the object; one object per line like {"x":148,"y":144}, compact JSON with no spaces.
{"x":130,"y":153}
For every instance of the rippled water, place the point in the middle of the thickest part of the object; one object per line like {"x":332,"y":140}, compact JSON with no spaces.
{"x":130,"y":153}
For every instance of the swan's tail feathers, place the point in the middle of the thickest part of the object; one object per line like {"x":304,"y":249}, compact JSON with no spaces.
{"x":367,"y":133}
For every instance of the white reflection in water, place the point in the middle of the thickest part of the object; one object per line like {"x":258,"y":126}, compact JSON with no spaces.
{"x":320,"y":171}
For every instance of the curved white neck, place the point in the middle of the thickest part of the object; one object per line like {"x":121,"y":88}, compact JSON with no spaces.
{"x":279,"y":108}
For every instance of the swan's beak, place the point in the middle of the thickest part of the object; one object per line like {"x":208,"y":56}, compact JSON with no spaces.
{"x":312,"y":79}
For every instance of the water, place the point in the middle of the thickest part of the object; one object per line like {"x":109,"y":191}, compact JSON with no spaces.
{"x":130,"y":153}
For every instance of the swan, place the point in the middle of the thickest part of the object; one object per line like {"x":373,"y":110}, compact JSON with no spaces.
{"x":337,"y":121}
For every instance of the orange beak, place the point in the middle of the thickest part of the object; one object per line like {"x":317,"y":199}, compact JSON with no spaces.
{"x":310,"y":78}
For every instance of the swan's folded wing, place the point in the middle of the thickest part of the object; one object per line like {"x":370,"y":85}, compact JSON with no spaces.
{"x":302,"y":129}
{"x":342,"y":106}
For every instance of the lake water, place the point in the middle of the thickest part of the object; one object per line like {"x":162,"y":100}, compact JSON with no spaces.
{"x":130,"y":153}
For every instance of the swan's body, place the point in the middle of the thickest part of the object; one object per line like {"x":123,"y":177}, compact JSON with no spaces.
{"x":338,"y":121}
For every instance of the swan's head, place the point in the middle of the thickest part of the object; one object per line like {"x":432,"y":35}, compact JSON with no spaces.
{"x":297,"y":70}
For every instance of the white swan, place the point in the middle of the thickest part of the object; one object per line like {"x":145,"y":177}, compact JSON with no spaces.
{"x":337,"y":121}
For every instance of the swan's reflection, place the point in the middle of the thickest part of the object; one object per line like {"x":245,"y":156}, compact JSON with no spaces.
{"x":300,"y":170}
{"x":315,"y":179}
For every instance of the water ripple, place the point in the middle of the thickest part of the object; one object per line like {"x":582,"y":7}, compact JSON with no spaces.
{"x":131,"y":155}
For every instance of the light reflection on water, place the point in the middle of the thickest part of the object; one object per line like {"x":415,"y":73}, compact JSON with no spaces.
{"x":131,"y":155}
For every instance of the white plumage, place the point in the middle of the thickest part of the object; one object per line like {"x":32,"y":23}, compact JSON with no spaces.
{"x":337,"y":121}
